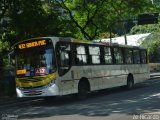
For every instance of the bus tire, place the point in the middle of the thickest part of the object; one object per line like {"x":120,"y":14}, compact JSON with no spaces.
{"x":83,"y":89}
{"x":130,"y":82}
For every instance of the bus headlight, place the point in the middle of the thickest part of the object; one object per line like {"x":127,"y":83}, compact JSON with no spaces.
{"x":19,"y":92}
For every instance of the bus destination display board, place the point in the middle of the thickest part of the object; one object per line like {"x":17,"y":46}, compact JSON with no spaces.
{"x":32,"y":44}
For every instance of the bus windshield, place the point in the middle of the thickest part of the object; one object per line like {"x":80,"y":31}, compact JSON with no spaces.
{"x":35,"y":61}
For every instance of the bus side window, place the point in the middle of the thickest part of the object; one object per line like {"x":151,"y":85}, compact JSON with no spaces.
{"x":64,"y":58}
{"x":118,"y":55}
{"x":143,"y":56}
{"x":107,"y":55}
{"x":128,"y":56}
{"x":81,"y":56}
{"x":94,"y":53}
{"x":136,"y":56}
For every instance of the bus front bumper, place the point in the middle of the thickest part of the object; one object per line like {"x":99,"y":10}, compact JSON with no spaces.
{"x":37,"y":92}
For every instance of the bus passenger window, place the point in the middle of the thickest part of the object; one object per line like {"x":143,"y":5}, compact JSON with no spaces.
{"x":136,"y":56}
{"x":118,"y":55}
{"x":143,"y":56}
{"x":107,"y":55}
{"x":95,"y":54}
{"x":81,"y":57}
{"x":128,"y":56}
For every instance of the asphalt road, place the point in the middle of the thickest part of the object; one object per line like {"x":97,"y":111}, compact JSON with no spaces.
{"x":142,"y":103}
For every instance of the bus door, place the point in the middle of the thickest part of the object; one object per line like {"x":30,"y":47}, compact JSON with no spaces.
{"x":63,"y":50}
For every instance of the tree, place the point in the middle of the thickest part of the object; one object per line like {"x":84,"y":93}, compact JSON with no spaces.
{"x":152,"y":42}
{"x":140,"y":29}
{"x":30,"y":19}
{"x":82,"y":14}
{"x":89,"y":18}
{"x":25,"y":19}
{"x":4,"y":7}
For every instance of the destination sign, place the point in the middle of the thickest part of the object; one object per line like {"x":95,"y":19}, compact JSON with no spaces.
{"x":32,"y":44}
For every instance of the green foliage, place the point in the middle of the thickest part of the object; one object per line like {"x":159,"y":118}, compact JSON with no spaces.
{"x":152,"y":43}
{"x":27,"y":19}
{"x":32,"y":19}
{"x":21,"y":19}
{"x":3,"y":56}
{"x":139,"y":29}
{"x":90,"y":18}
{"x":107,"y":35}
{"x":84,"y":19}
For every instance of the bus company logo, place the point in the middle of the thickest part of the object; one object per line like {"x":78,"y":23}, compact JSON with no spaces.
{"x":32,"y":44}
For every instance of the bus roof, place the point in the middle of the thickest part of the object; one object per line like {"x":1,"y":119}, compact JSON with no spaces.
{"x":69,"y":39}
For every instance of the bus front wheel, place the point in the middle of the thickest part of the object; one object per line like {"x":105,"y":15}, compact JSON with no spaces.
{"x":82,"y":90}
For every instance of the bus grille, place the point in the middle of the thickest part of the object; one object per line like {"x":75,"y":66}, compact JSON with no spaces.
{"x":32,"y":92}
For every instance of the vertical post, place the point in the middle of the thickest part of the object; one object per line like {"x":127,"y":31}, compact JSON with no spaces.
{"x":125,"y":37}
{"x":110,"y":35}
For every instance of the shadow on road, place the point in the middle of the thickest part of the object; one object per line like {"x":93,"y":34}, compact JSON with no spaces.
{"x":143,"y":98}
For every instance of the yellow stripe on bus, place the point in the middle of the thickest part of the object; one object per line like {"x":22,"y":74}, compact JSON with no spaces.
{"x":47,"y":80}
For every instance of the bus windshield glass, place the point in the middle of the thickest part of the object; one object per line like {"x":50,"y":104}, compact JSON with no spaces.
{"x":35,"y":61}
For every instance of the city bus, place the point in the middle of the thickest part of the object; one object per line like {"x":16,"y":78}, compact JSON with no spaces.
{"x":56,"y":66}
